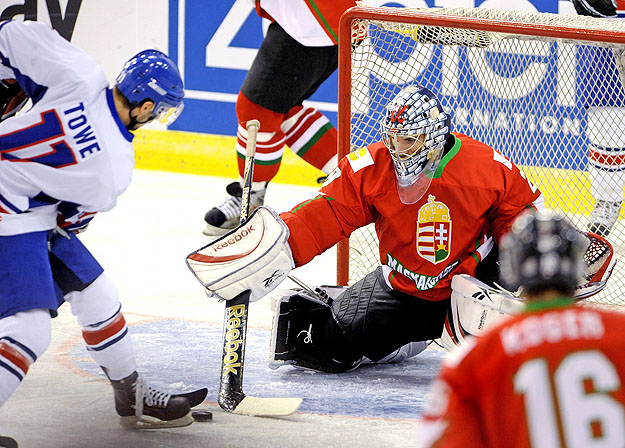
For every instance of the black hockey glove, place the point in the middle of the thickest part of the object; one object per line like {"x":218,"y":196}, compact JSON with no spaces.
{"x":595,"y":8}
{"x":12,"y":98}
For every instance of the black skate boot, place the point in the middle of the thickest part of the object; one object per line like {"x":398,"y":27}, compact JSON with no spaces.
{"x":7,"y":442}
{"x":141,"y":406}
{"x":195,"y":397}
{"x":227,"y":216}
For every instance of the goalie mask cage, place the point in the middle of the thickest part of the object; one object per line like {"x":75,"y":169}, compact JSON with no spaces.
{"x":523,"y":83}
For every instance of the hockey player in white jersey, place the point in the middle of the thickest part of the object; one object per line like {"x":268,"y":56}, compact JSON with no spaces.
{"x":604,"y":93}
{"x":62,"y":161}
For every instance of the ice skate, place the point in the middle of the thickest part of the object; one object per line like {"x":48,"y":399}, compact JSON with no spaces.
{"x":141,"y":406}
{"x":195,"y":397}
{"x":7,"y":442}
{"x":604,"y":216}
{"x":226,"y":216}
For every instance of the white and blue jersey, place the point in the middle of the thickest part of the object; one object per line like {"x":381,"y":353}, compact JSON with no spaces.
{"x":69,"y":154}
{"x":71,"y":146}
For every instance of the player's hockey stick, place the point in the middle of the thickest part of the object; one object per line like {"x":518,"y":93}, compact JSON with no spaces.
{"x":231,"y":397}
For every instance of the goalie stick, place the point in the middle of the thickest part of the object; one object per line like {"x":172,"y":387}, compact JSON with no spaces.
{"x":231,"y":397}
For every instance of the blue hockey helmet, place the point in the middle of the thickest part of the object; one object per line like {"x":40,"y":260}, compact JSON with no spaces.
{"x":151,"y":75}
{"x":415,"y":129}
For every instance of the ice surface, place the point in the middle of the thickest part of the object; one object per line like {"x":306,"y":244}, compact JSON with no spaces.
{"x":177,"y":333}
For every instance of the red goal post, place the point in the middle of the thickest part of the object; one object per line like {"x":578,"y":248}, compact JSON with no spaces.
{"x":516,"y":80}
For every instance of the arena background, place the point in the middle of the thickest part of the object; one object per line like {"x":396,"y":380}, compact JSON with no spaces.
{"x":214,"y":47}
{"x":143,"y":242}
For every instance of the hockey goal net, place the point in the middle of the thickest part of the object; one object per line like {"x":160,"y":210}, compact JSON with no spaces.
{"x":524,"y":83}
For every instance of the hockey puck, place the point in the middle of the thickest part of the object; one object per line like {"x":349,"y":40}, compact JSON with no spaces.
{"x":202,"y":416}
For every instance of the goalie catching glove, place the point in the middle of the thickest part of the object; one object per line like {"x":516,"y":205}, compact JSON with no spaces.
{"x":474,"y":307}
{"x":254,"y":256}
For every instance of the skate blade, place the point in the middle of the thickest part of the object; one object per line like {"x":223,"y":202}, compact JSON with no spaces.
{"x":147,"y":422}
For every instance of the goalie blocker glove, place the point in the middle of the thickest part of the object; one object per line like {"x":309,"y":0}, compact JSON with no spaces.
{"x":595,"y":8}
{"x":304,"y":331}
{"x":255,"y":256}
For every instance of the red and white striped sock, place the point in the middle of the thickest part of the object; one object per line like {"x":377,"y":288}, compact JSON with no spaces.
{"x":310,"y":135}
{"x":109,"y":345}
{"x":24,"y":337}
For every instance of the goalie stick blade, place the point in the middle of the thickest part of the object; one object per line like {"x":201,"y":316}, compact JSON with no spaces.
{"x":266,"y":407}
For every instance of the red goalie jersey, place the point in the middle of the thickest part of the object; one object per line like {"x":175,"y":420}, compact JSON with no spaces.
{"x":476,"y":193}
{"x":548,"y":378}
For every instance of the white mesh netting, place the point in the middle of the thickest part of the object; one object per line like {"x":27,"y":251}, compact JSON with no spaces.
{"x":541,"y":101}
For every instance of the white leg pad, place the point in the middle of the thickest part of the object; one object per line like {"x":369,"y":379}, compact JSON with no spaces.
{"x":96,"y":303}
{"x":606,"y":185}
{"x":607,"y":151}
{"x":24,"y":337}
{"x":97,"y":310}
{"x":401,"y":354}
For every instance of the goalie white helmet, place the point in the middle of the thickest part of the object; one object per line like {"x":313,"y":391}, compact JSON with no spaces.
{"x":415,"y":129}
{"x":542,"y":251}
